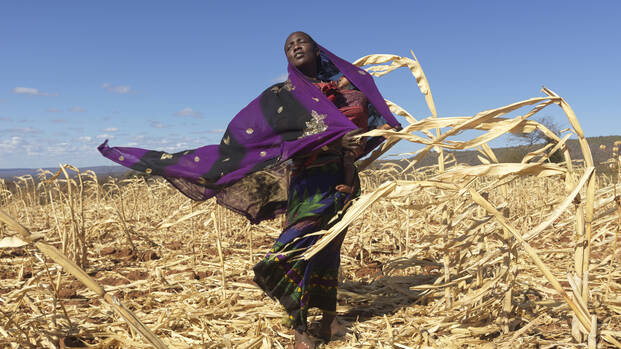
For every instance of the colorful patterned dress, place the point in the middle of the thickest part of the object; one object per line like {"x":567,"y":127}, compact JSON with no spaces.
{"x":313,"y":203}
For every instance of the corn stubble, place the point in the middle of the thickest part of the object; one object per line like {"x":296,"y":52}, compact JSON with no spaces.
{"x":449,"y":256}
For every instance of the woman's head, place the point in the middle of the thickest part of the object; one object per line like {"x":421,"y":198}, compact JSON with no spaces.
{"x":303,"y":53}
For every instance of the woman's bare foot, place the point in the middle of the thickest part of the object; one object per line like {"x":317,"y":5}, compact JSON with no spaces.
{"x":344,"y":188}
{"x":303,"y":341}
{"x":331,"y":328}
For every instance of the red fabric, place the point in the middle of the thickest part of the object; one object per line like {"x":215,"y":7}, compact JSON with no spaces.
{"x":329,"y":89}
{"x":352,"y":103}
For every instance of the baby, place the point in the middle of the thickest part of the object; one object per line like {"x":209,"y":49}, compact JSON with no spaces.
{"x":355,"y":106}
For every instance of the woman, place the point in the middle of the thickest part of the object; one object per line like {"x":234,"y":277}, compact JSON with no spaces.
{"x":282,"y":153}
{"x":313,"y":201}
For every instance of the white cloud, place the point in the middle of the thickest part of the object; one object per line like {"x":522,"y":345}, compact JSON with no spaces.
{"x":26,"y":91}
{"x":21,"y":130}
{"x":67,"y":149}
{"x":58,"y":121}
{"x":19,"y":145}
{"x":105,"y":136}
{"x":31,"y":91}
{"x":11,"y":144}
{"x":187,"y":111}
{"x":3,"y":118}
{"x":53,"y":110}
{"x":77,"y":109}
{"x":121,"y":89}
{"x":56,"y":149}
{"x":85,"y":148}
{"x":215,"y":131}
{"x":33,"y":149}
{"x":280,"y":78}
{"x":110,"y":129}
{"x":157,"y":124}
{"x":85,"y":139}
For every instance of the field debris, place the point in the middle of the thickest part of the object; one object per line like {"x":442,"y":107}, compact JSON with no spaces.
{"x":495,"y":255}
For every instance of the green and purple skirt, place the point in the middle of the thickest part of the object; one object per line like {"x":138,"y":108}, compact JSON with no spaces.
{"x":299,"y":284}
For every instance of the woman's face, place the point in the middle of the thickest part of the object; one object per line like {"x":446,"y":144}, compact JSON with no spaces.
{"x":301,"y":52}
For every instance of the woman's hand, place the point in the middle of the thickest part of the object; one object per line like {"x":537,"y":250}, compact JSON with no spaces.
{"x":388,"y":127}
{"x":349,"y":142}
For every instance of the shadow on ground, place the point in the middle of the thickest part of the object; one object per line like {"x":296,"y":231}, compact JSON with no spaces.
{"x":385,"y":293}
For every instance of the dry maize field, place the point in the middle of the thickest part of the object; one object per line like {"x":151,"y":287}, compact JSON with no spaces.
{"x":516,"y":255}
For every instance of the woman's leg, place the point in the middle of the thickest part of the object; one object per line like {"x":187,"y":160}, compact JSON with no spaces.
{"x":330,"y":327}
{"x":287,"y":279}
{"x":327,"y":263}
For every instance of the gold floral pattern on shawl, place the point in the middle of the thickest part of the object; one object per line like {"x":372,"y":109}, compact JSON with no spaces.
{"x":286,"y":86}
{"x":315,"y":125}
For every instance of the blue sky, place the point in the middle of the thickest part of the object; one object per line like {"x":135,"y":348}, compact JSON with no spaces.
{"x":169,"y":75}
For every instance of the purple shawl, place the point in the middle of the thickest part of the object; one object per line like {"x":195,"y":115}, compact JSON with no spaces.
{"x":248,"y":170}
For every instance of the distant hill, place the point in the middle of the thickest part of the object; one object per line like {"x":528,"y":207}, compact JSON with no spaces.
{"x":515,"y":153}
{"x":9,"y":173}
